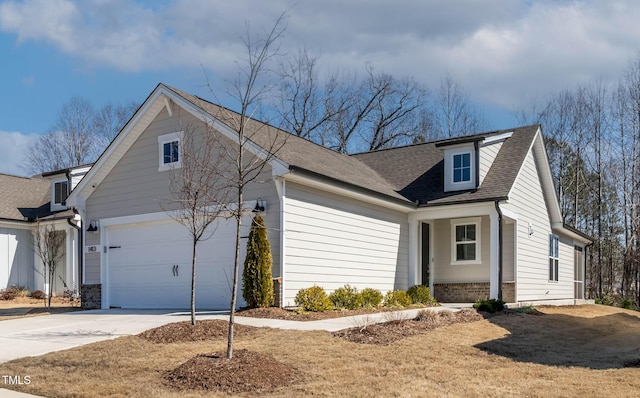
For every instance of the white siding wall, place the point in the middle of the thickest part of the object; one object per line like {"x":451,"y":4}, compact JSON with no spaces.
{"x":444,"y":271}
{"x":16,"y":258}
{"x":488,"y":154}
{"x":332,"y":241}
{"x":527,"y":201}
{"x":135,"y":186}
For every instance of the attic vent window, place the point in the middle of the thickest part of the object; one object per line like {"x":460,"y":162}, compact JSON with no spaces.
{"x":169,"y":151}
{"x":462,"y":167}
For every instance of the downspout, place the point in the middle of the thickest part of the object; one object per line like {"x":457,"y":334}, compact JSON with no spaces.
{"x":497,"y":203}
{"x":476,"y":146}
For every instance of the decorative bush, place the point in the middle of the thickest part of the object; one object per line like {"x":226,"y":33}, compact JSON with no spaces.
{"x":605,"y":300}
{"x":397,"y":298}
{"x":21,"y":291}
{"x":370,"y":297}
{"x":626,"y":303}
{"x":257,"y":280}
{"x":313,"y":299}
{"x":38,"y":295}
{"x":346,"y":297}
{"x":491,"y":305}
{"x":421,"y":294}
{"x":8,"y":294}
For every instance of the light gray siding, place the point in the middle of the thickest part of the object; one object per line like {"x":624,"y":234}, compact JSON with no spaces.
{"x":16,"y":258}
{"x":488,"y":154}
{"x":333,"y":240}
{"x":532,"y":257}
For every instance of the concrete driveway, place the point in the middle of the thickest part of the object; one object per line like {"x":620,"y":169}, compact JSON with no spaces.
{"x":39,"y":335}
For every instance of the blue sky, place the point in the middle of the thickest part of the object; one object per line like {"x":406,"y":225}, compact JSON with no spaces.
{"x":505,"y":53}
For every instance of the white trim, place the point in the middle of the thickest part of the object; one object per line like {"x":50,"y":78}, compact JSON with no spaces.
{"x":281,"y":190}
{"x":453,"y":167}
{"x":556,"y":265}
{"x":496,"y":138}
{"x":56,"y":206}
{"x":168,"y":139}
{"x":414,"y":255}
{"x":477,"y":221}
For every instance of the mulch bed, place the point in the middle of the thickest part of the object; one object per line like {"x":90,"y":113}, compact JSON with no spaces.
{"x":296,"y":315}
{"x":390,"y":332}
{"x":179,"y":332}
{"x":247,"y":371}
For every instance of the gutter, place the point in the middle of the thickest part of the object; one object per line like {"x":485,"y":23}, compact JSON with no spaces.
{"x":463,"y":202}
{"x":497,"y":203}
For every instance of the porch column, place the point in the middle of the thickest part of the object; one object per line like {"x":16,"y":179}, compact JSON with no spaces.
{"x":493,"y":256}
{"x":413,"y":252}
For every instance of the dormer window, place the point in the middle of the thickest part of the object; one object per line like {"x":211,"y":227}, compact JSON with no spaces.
{"x":59,"y":193}
{"x":170,"y":151}
{"x":462,"y":167}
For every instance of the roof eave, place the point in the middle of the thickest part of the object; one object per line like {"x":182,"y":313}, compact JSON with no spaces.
{"x":465,"y":201}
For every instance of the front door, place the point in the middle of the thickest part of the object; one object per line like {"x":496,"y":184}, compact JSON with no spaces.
{"x":425,"y":254}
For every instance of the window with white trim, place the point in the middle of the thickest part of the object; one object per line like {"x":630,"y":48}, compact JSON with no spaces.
{"x":465,"y":241}
{"x":59,"y":193}
{"x":554,"y":257}
{"x":462,"y":167}
{"x":170,"y":151}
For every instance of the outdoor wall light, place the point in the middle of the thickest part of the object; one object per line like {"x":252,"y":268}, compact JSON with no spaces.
{"x":259,"y":206}
{"x":93,"y":226}
{"x":530,"y":230}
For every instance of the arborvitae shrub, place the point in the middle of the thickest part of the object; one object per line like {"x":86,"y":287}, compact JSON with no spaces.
{"x":421,"y":294}
{"x":257,"y":280}
{"x":397,"y":298}
{"x":313,"y":299}
{"x":346,"y":297}
{"x":370,"y":298}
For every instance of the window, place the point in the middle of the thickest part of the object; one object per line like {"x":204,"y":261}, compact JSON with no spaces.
{"x":60,"y":192}
{"x":465,"y":236}
{"x":553,"y":257}
{"x":169,"y":151}
{"x":462,"y":167}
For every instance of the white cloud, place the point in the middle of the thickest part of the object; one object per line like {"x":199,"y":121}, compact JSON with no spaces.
{"x":500,"y":51}
{"x":12,"y":152}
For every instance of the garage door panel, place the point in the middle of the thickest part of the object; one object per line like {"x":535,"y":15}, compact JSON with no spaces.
{"x":149,"y":266}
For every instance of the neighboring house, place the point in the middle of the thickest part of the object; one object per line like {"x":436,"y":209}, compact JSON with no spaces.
{"x":24,"y":200}
{"x":471,"y":217}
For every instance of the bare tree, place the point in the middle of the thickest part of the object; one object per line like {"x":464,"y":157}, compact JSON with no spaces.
{"x":197,"y":194}
{"x":48,"y":245}
{"x":455,"y":115}
{"x":78,"y":136}
{"x":250,"y":90}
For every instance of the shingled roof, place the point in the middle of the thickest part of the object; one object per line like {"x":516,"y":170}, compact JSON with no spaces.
{"x":417,"y":171}
{"x":302,"y":155}
{"x":23,"y":198}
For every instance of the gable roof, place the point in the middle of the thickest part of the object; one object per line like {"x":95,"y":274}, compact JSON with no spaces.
{"x":23,"y":198}
{"x":417,"y":171}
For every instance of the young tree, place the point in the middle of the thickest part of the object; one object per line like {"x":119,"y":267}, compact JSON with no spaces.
{"x":48,"y":244}
{"x":257,"y":282}
{"x":197,"y":193}
{"x":455,"y":115}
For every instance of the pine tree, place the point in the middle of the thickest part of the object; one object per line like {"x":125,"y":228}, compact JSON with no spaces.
{"x":257,"y":282}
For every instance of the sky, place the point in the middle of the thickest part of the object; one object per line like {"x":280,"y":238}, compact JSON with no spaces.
{"x":505,"y":53}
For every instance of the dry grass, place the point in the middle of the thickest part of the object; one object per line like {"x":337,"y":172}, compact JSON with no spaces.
{"x":21,"y":307}
{"x":567,"y":352}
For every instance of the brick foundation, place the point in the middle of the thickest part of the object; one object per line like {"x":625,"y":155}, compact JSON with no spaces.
{"x":91,"y":296}
{"x":277,"y":292}
{"x":471,"y":292}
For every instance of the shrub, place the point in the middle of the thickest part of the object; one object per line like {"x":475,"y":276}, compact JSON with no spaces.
{"x":605,"y":300}
{"x":8,"y":294}
{"x":257,"y":280}
{"x":38,"y":295}
{"x":370,"y":297}
{"x":21,"y":291}
{"x":491,"y":305}
{"x":313,"y":299}
{"x":421,"y":294}
{"x":397,"y":298}
{"x":626,"y":303}
{"x":346,"y":297}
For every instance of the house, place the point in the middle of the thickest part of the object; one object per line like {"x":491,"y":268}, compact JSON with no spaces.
{"x":23,"y":201}
{"x":470,"y":217}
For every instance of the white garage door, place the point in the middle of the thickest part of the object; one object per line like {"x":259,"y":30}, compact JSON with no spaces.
{"x":149,"y":266}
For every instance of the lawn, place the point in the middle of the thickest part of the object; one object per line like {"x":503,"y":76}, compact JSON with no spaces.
{"x":584,"y":351}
